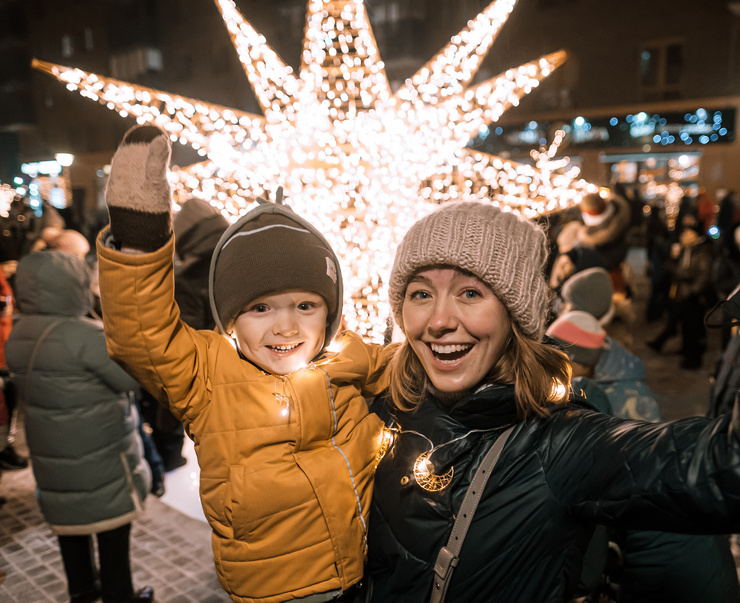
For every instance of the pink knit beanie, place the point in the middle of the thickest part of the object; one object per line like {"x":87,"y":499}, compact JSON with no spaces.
{"x":504,"y":251}
{"x":580,"y":335}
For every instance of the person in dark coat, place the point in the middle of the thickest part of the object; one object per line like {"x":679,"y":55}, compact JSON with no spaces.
{"x":691,"y":293}
{"x":198,"y":226}
{"x":606,"y":222}
{"x":467,"y":291}
{"x":81,"y":424}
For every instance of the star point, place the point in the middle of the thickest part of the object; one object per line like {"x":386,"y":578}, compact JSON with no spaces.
{"x":360,"y":163}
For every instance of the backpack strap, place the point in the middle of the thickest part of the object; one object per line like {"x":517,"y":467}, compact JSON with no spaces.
{"x":449,"y":555}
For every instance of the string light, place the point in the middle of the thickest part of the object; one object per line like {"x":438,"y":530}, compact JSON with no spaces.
{"x":360,"y":163}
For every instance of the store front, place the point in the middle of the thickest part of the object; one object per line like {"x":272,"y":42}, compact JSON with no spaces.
{"x":659,"y":152}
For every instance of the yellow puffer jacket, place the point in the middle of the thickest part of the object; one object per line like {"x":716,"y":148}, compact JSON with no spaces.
{"x":286,"y":463}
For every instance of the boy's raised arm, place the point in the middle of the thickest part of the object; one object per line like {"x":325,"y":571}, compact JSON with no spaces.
{"x":143,"y":330}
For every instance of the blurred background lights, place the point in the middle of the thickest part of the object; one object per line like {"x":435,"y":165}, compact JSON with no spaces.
{"x":358,"y":161}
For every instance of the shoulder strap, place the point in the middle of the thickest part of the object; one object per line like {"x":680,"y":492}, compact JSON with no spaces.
{"x":449,"y":555}
{"x":35,"y":352}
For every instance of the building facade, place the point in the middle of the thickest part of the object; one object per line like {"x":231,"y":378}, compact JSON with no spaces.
{"x":637,"y":75}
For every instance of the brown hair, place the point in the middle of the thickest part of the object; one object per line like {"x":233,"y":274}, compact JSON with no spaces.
{"x":536,"y":369}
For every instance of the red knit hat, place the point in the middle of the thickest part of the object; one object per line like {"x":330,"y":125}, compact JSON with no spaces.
{"x":580,"y":335}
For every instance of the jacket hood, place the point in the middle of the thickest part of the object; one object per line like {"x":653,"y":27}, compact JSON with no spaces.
{"x":198,"y":238}
{"x":617,"y":364}
{"x":52,"y":282}
{"x":237,"y":227}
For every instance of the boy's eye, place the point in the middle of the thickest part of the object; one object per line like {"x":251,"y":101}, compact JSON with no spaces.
{"x":260,"y":308}
{"x":306,"y":306}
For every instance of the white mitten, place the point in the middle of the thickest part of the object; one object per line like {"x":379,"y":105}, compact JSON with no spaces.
{"x":138,"y":195}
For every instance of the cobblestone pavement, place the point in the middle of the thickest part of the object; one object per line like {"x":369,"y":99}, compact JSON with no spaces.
{"x":171,"y":551}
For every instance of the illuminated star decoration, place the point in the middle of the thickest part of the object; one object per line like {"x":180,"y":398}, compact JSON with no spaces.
{"x":356,"y":160}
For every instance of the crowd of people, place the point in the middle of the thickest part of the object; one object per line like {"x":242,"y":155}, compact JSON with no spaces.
{"x":342,"y":473}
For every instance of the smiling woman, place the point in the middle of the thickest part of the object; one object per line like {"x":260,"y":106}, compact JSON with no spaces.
{"x":468,"y":292}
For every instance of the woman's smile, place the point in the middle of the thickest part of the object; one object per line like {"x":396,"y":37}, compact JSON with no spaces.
{"x":450,"y":353}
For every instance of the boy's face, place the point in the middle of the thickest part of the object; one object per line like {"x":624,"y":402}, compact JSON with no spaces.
{"x":282,"y":332}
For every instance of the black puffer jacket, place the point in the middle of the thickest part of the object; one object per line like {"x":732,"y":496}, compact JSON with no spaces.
{"x":555,"y":479}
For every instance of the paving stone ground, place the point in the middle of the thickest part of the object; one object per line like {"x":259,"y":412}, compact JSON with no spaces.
{"x":169,"y":551}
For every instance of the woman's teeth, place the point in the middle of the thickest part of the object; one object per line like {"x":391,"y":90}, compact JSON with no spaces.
{"x":451,"y":352}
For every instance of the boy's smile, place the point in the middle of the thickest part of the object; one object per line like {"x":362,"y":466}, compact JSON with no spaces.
{"x":282,"y":332}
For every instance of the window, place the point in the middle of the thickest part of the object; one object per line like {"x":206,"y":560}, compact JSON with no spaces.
{"x":661,"y":70}
{"x":88,"y":38}
{"x":68,"y":48}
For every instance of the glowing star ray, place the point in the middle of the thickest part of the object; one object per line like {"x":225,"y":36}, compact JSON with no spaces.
{"x":187,"y":120}
{"x":487,"y":101}
{"x":453,"y":67}
{"x":359,"y":163}
{"x":272,"y":80}
{"x":340,"y":56}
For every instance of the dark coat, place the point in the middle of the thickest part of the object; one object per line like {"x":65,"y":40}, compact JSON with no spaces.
{"x":610,"y":238}
{"x":81,"y":424}
{"x":194,"y":248}
{"x":556,"y":478}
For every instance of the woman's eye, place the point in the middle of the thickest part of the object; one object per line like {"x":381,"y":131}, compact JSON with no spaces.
{"x":471,"y":294}
{"x":419,"y":295}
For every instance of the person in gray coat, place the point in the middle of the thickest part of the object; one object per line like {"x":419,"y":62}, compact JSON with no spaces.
{"x":81,"y":426}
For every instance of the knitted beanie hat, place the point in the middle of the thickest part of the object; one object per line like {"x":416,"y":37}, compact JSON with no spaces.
{"x":589,"y":290}
{"x":595,"y":210}
{"x":268,"y":250}
{"x":580,"y":335}
{"x":503,"y":250}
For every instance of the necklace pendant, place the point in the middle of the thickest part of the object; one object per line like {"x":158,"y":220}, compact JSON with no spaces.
{"x":425,"y":476}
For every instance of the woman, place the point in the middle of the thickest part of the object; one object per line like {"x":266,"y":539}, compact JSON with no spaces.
{"x":468,"y":292}
{"x":80,"y":426}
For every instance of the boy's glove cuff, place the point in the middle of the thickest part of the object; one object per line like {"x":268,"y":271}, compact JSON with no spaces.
{"x":140,"y":230}
{"x":138,"y":194}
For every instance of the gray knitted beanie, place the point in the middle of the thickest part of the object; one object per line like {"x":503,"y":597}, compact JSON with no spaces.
{"x":503,"y":250}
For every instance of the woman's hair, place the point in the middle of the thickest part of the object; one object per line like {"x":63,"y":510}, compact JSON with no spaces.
{"x":539,"y":372}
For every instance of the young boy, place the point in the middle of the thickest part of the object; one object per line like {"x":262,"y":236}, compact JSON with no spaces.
{"x":286,"y":446}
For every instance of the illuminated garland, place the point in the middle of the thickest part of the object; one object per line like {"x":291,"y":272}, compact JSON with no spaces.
{"x":360,"y":163}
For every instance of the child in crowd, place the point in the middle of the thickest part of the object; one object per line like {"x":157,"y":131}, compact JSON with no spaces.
{"x":285,"y":443}
{"x":593,"y":354}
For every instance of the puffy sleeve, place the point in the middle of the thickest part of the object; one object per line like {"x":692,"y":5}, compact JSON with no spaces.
{"x":144,"y":333}
{"x":362,"y":364}
{"x":682,"y":476}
